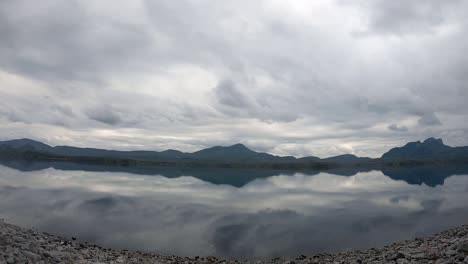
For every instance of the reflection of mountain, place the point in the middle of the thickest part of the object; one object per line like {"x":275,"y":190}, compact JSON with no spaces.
{"x":429,"y":175}
{"x":233,"y":177}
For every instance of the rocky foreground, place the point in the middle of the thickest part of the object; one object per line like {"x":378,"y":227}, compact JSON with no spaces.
{"x":20,"y":245}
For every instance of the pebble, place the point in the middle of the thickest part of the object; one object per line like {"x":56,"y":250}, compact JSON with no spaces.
{"x":463,"y":246}
{"x":18,"y":245}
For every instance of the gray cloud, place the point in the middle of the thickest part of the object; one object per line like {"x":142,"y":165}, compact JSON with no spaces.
{"x":104,"y":114}
{"x":286,"y":79}
{"x":429,"y":119}
{"x":395,"y":127}
{"x":68,"y":42}
{"x":405,"y":18}
{"x":228,"y":94}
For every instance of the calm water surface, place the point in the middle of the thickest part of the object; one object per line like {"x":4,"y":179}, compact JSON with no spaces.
{"x":234,"y":214}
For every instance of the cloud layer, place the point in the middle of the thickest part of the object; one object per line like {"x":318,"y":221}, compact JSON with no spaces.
{"x":310,"y":78}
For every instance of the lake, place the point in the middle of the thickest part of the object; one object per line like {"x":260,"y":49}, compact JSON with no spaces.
{"x":232,"y":213}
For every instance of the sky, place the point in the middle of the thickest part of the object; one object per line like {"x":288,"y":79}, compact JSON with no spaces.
{"x":295,"y":78}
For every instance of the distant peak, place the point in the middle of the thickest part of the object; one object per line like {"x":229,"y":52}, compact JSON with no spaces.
{"x":432,"y":140}
{"x":25,"y":142}
{"x":170,"y":151}
{"x":238,"y":146}
{"x":346,"y":155}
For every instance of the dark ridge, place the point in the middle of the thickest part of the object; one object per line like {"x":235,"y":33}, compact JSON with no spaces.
{"x":430,"y":150}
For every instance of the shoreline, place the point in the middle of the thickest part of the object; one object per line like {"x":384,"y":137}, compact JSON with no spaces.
{"x":24,"y":245}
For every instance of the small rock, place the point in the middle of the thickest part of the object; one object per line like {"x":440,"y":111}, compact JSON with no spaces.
{"x":440,"y":261}
{"x":397,"y":256}
{"x":3,"y":241}
{"x":402,"y":261}
{"x":8,"y":249}
{"x":451,"y":252}
{"x":47,"y":254}
{"x":30,"y":255}
{"x":419,"y":256}
{"x":463,"y":246}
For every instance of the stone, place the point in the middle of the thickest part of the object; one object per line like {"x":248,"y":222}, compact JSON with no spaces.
{"x":419,"y":256}
{"x":8,"y":249}
{"x":443,"y":248}
{"x":402,"y":261}
{"x":396,"y":256}
{"x":463,"y":246}
{"x":47,"y":254}
{"x":3,"y":241}
{"x":30,"y":255}
{"x":451,"y":252}
{"x":441,"y":261}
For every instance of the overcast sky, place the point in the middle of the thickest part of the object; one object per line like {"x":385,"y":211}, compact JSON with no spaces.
{"x":287,"y":77}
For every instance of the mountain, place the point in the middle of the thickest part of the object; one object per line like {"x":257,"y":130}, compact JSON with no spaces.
{"x":236,"y":153}
{"x":24,"y":144}
{"x":92,"y":152}
{"x":28,"y":145}
{"x":431,"y":149}
{"x":309,"y":159}
{"x":346,"y":158}
{"x":22,"y":149}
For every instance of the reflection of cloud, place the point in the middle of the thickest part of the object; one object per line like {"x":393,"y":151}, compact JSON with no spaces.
{"x":297,"y":192}
{"x":398,"y":199}
{"x":281,"y":215}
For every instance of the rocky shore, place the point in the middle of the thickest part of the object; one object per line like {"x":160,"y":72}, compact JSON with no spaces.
{"x":20,"y":245}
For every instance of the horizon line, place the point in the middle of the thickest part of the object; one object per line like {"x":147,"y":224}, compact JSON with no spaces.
{"x":226,"y":146}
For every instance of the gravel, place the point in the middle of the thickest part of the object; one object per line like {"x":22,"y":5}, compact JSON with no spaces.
{"x":21,"y":245}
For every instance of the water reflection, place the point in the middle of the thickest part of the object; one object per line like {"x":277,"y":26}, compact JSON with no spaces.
{"x":261,"y":214}
{"x":429,"y":175}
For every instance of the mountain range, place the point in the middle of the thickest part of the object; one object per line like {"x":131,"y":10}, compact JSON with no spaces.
{"x":429,"y":150}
